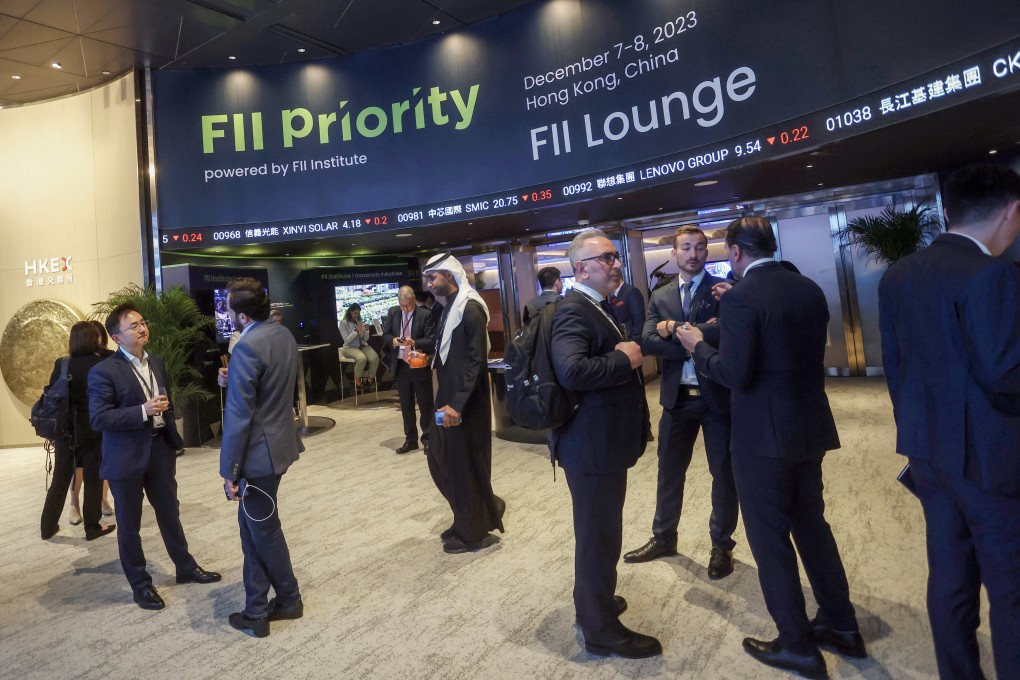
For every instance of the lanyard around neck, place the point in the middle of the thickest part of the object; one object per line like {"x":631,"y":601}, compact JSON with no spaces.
{"x":150,"y":390}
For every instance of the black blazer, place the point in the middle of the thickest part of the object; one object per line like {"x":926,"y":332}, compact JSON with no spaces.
{"x":115,"y":407}
{"x":629,"y":309}
{"x":607,"y":431}
{"x":78,"y":368}
{"x":771,"y":356}
{"x":950,"y":322}
{"x":532,"y":309}
{"x":666,"y":304}
{"x":466,"y":370}
{"x":423,"y":332}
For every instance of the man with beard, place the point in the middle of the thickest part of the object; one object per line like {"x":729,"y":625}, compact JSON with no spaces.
{"x":689,"y":405}
{"x":460,"y":457}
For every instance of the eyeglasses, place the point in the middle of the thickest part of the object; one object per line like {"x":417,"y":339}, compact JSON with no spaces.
{"x":605,"y":258}
{"x":134,"y":327}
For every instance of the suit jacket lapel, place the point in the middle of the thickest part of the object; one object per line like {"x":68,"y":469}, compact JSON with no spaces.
{"x":128,"y":371}
{"x":703,"y":291}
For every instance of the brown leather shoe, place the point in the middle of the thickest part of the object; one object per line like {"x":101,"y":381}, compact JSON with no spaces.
{"x":649,"y":551}
{"x":720,"y":564}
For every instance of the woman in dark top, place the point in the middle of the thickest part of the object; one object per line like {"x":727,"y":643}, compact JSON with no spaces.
{"x":83,"y":444}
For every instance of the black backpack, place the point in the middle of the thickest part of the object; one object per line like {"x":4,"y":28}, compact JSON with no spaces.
{"x":51,"y":415}
{"x":535,"y":400}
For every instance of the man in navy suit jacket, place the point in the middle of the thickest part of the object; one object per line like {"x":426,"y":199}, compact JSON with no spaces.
{"x":688,"y":405}
{"x":129,"y":404}
{"x":408,"y":328}
{"x":950,"y":323}
{"x":601,"y":441}
{"x":771,"y":353}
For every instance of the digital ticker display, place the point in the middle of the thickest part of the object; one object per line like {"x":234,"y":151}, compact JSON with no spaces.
{"x":572,"y":120}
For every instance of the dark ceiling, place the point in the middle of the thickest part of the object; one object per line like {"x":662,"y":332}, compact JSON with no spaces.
{"x":95,"y":41}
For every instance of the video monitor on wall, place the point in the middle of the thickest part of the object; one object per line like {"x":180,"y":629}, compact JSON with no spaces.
{"x":224,"y":329}
{"x":568,"y":283}
{"x":376,"y":299}
{"x":718,"y":268}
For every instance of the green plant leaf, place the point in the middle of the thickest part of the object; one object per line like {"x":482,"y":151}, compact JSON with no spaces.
{"x":893,"y":234}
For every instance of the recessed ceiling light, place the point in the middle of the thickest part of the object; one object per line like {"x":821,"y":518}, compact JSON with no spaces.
{"x":821,"y":184}
{"x":442,"y":243}
{"x":232,"y":57}
{"x":435,"y":22}
{"x":809,"y":166}
{"x":402,"y":235}
{"x":992,"y":152}
{"x":301,"y":50}
{"x":619,"y":198}
{"x":15,"y":77}
{"x":106,"y":73}
{"x":706,"y":183}
{"x":56,"y":64}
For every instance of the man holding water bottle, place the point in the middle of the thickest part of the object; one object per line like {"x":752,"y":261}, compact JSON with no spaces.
{"x":128,"y":403}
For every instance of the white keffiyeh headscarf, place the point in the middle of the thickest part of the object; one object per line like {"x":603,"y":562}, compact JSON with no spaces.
{"x":455,"y":310}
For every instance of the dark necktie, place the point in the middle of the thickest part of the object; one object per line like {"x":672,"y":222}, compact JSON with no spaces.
{"x":686,"y":299}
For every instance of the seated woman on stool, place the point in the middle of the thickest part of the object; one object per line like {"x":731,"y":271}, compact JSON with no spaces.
{"x":355,"y":335}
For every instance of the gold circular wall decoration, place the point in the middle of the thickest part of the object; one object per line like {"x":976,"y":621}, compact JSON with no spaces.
{"x":33,"y":339}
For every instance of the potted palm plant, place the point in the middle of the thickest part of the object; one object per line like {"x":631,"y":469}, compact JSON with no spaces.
{"x":179,"y":329}
{"x":893,"y":233}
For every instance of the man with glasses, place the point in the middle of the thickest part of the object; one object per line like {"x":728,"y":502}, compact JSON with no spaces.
{"x":129,"y":404}
{"x":602,"y":440}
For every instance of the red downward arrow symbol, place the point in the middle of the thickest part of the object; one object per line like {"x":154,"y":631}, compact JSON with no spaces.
{"x":176,"y":237}
{"x":770,"y":140}
{"x":524,"y":196}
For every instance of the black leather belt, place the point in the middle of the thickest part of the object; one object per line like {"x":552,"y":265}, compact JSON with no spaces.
{"x":690,"y":391}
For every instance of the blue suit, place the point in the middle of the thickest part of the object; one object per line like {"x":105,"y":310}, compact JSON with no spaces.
{"x":684,"y":414}
{"x":137,"y":458}
{"x":604,"y":438}
{"x":950,"y":323}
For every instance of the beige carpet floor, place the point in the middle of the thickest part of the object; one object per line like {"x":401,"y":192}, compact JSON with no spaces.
{"x":382,"y":600}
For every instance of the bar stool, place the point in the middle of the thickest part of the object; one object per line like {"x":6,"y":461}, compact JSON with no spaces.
{"x":352,"y":361}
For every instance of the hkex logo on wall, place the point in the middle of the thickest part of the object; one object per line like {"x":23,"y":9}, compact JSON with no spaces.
{"x":51,"y":272}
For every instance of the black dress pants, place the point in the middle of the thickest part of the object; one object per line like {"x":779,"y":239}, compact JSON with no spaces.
{"x":159,"y":485}
{"x":266,"y":555}
{"x":66,"y":458}
{"x":780,"y":498}
{"x":410,"y":390}
{"x":598,"y":536}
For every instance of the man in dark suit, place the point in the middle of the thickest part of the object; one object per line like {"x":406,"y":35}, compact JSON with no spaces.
{"x":260,"y":441}
{"x":950,"y":323}
{"x":129,"y":404}
{"x":628,"y":305}
{"x":772,"y":327}
{"x":427,"y":300}
{"x":407,"y":328}
{"x":552,"y":285}
{"x":688,"y":405}
{"x":460,"y":458}
{"x":600,"y":442}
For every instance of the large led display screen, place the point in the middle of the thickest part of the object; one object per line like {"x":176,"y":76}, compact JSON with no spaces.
{"x":559,"y":101}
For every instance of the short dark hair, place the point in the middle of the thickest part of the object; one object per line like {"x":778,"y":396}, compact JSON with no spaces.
{"x":547,"y":277}
{"x":248,"y":296}
{"x":753,"y":234}
{"x":976,"y":192}
{"x":104,"y":337}
{"x":422,"y":296}
{"x":84,"y":339}
{"x":113,"y":318}
{"x":689,"y":229}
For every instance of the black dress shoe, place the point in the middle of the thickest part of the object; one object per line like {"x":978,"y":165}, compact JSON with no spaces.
{"x":50,"y":532}
{"x":773,"y":654}
{"x":621,"y":606}
{"x":199,"y":575}
{"x":148,"y":598}
{"x":448,"y":533}
{"x":627,"y":644}
{"x":93,"y":535}
{"x":408,"y":447}
{"x":720,"y":564}
{"x":454,"y":545}
{"x":257,"y":627}
{"x":278,"y":613}
{"x":649,"y":551}
{"x":845,"y":642}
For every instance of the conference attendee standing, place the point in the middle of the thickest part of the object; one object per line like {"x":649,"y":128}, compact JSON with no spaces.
{"x":427,"y":300}
{"x":950,"y":322}
{"x":129,"y":405}
{"x":688,"y":405}
{"x":410,"y":328}
{"x":260,"y":442}
{"x":628,"y":305}
{"x":601,"y":441}
{"x":771,"y":352}
{"x":552,"y":285}
{"x":81,"y":448}
{"x":460,"y":457}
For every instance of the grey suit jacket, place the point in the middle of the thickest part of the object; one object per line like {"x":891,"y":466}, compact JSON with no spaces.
{"x":260,"y":437}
